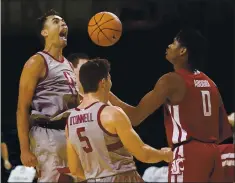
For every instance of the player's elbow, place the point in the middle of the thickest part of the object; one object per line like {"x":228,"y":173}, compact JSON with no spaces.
{"x":22,"y":109}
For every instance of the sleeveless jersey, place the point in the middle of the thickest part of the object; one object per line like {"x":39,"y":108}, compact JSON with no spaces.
{"x":57,"y":91}
{"x":102,"y":154}
{"x":197,"y":115}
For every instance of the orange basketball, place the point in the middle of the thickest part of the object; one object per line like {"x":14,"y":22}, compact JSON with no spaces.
{"x":105,"y":29}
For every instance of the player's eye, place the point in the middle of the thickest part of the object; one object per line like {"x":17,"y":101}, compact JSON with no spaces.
{"x":56,"y":21}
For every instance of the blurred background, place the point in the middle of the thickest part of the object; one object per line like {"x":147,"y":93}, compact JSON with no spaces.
{"x":137,"y":60}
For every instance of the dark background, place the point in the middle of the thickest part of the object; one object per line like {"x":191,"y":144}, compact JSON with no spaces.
{"x":137,"y":60}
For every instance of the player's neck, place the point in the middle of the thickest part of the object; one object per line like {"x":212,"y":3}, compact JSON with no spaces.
{"x":93,"y":97}
{"x":57,"y":53}
{"x":182,"y":66}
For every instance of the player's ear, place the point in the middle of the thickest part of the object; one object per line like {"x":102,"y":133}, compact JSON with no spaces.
{"x":44,"y":33}
{"x":183,"y":51}
{"x":102,"y":83}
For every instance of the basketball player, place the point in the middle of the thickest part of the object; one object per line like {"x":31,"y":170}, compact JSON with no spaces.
{"x":48,"y":86}
{"x":100,"y":138}
{"x":195,"y":118}
{"x":78,"y":59}
{"x":228,"y":156}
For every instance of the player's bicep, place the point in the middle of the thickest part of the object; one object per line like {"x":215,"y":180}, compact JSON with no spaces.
{"x":128,"y":136}
{"x":151,"y":101}
{"x":33,"y":70}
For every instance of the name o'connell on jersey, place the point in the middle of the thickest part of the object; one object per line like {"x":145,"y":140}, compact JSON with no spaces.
{"x":81,"y":118}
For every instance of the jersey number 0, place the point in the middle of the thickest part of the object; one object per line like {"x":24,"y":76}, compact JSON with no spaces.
{"x":206,"y":102}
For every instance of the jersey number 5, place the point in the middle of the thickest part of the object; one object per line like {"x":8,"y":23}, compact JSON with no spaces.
{"x":87,"y":148}
{"x":206,"y":102}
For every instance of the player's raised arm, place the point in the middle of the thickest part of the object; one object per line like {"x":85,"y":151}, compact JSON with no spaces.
{"x":34,"y":69}
{"x":74,"y":162}
{"x":130,"y":138}
{"x":150,"y":102}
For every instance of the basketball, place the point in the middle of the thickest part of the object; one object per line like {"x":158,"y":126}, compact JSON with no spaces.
{"x":105,"y":29}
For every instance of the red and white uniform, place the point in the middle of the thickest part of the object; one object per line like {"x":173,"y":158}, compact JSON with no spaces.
{"x":193,"y":128}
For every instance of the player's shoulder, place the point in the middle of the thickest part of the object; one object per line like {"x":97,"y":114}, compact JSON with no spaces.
{"x":170,"y":79}
{"x":208,"y":78}
{"x":113,"y":114}
{"x":35,"y":60}
{"x":112,"y":110}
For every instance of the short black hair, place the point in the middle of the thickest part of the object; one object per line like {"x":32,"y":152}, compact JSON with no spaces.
{"x":41,"y":22}
{"x":74,"y":58}
{"x":196,"y":46}
{"x":92,"y":72}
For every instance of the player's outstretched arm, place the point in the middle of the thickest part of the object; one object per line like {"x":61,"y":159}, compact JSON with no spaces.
{"x":130,"y":139}
{"x":74,"y":162}
{"x":34,"y":69}
{"x":150,"y":102}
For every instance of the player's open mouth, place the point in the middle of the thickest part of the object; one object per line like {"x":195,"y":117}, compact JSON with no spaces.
{"x":63,"y":34}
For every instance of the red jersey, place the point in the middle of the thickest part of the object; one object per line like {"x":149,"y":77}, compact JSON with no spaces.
{"x":198,"y":114}
{"x":228,"y":161}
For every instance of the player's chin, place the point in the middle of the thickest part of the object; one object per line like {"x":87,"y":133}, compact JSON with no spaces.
{"x":167,"y":57}
{"x":63,"y":43}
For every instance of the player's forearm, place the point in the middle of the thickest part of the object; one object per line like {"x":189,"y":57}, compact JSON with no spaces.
{"x":152,"y":155}
{"x":5,"y":156}
{"x":23,"y":129}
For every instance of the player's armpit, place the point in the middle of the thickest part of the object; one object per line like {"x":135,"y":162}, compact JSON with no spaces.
{"x":130,"y":138}
{"x":74,"y":162}
{"x":34,"y":69}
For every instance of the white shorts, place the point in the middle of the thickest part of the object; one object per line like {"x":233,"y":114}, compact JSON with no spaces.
{"x":49,"y":146}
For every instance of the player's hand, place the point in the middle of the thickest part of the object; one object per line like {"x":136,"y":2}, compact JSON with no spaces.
{"x":7,"y":165}
{"x":28,"y":159}
{"x":167,"y":154}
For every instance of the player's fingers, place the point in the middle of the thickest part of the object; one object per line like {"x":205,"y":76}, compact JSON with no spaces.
{"x":171,"y":156}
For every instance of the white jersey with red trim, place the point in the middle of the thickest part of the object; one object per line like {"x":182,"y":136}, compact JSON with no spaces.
{"x":57,"y":91}
{"x":101,"y":153}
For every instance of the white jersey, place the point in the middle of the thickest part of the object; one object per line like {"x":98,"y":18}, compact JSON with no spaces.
{"x":57,"y":92}
{"x":101,"y":153}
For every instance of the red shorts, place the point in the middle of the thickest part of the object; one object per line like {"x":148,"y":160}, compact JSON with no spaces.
{"x":228,"y":161}
{"x":196,"y":162}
